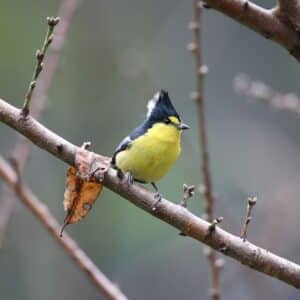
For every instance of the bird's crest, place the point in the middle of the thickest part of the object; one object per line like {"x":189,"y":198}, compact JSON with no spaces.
{"x":160,"y":106}
{"x":152,"y":103}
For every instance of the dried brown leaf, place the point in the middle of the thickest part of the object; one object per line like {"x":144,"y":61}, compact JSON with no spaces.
{"x":82,"y":188}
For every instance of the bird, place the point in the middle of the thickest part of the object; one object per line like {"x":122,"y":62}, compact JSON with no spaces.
{"x":150,"y":150}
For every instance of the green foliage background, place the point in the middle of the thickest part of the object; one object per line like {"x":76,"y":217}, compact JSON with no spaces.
{"x":117,"y":55}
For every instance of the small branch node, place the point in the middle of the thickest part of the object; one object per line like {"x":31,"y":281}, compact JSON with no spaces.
{"x":193,"y":26}
{"x":202,"y":4}
{"x":188,"y":192}
{"x":223,"y":248}
{"x":86,"y":145}
{"x":245,"y":5}
{"x":60,"y":148}
{"x":207,"y":251}
{"x":203,"y":70}
{"x":52,"y":21}
{"x":214,"y":293}
{"x":39,"y":55}
{"x":212,"y":227}
{"x":252,"y":201}
{"x":192,"y":47}
{"x":195,"y":96}
{"x":50,"y":39}
{"x":250,"y":204}
{"x":220,"y":263}
{"x":267,"y":34}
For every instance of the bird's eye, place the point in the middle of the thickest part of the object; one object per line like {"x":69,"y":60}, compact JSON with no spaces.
{"x":167,"y":121}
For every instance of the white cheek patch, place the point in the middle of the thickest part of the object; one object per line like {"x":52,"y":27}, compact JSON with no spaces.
{"x":152,"y":103}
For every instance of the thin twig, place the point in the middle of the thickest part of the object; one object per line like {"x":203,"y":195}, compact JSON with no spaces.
{"x":250,"y":204}
{"x":42,"y":213}
{"x":188,"y":192}
{"x":258,"y":90}
{"x":22,"y":148}
{"x":230,"y":245}
{"x":199,"y":98}
{"x":40,"y":54}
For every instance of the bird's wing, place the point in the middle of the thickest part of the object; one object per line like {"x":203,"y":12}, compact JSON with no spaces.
{"x":126,"y":142}
{"x":121,"y":147}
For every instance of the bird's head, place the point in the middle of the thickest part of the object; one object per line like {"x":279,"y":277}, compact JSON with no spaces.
{"x":161,"y":110}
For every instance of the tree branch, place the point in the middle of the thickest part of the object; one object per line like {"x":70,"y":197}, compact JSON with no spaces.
{"x":267,"y":22}
{"x":22,"y":147}
{"x":207,"y":181}
{"x":110,"y":290}
{"x":258,"y":90}
{"x":40,"y":55}
{"x":250,"y":204}
{"x":289,"y":11}
{"x":245,"y":252}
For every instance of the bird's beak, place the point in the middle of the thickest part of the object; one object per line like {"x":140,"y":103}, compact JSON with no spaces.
{"x":183,"y":126}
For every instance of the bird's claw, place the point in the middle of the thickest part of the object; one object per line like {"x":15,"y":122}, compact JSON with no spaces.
{"x":120,"y":174}
{"x":158,"y":198}
{"x":129,"y":178}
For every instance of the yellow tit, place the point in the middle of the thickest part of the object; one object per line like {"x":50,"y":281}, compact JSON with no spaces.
{"x":152,"y":148}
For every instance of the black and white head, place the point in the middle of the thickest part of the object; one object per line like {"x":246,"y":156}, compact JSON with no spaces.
{"x":160,"y":109}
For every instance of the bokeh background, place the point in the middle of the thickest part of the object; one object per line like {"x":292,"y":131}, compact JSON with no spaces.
{"x":117,"y":55}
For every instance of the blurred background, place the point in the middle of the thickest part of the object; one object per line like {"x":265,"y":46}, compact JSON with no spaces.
{"x":118,"y":53}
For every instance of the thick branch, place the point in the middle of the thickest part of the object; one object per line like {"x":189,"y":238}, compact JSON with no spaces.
{"x":290,"y":9}
{"x":245,"y":252}
{"x":41,"y":211}
{"x":267,"y":22}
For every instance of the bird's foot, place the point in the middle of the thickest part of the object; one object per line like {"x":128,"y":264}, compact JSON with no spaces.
{"x":158,"y":197}
{"x":130,"y":179}
{"x":120,"y":174}
{"x":125,"y":176}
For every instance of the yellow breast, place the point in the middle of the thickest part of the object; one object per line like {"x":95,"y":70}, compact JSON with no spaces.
{"x":151,"y":156}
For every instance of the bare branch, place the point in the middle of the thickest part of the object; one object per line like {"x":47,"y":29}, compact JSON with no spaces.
{"x":188,"y":192}
{"x":66,"y":13}
{"x":250,"y":204}
{"x":258,"y":90}
{"x":198,"y":96}
{"x":40,"y":210}
{"x":267,"y":22}
{"x":40,"y":55}
{"x":22,"y":147}
{"x":245,"y":252}
{"x":207,"y":182}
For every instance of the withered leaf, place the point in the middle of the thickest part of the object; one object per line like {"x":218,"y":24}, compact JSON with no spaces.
{"x":82,"y":188}
{"x":80,"y":195}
